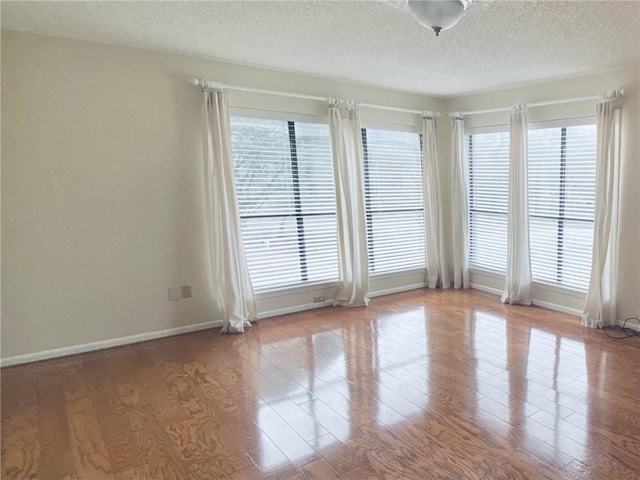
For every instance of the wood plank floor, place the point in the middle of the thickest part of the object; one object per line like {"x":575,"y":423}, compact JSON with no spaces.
{"x":422,"y":384}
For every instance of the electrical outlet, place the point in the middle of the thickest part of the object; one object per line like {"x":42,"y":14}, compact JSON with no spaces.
{"x":186,"y":291}
{"x":318,"y":299}
{"x":174,"y":293}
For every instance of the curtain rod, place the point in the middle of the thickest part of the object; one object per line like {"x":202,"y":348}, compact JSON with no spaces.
{"x":216,"y":85}
{"x":621,"y":92}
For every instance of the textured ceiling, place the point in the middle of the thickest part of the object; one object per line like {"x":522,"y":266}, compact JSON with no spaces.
{"x":497,"y":43}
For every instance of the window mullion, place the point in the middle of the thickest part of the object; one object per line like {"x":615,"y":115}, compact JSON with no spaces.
{"x":471,"y":182}
{"x":561,"y":203}
{"x":295,"y":176}
{"x":367,"y":200}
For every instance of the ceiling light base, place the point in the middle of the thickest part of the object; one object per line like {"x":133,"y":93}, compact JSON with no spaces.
{"x":438,"y":15}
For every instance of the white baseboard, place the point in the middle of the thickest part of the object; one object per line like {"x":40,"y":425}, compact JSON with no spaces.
{"x":538,"y":303}
{"x":142,"y":337}
{"x":114,"y":342}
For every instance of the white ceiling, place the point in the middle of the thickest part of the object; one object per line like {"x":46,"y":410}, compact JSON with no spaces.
{"x":497,"y":43}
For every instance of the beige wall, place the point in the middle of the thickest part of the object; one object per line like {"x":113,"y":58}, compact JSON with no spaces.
{"x":102,"y":199}
{"x":629,"y":272}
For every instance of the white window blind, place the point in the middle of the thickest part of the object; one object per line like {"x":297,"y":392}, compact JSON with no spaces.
{"x":286,"y":198}
{"x":562,"y":172}
{"x":394,"y":203}
{"x":488,"y":155}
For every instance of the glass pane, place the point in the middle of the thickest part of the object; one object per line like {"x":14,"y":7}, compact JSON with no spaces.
{"x":396,"y":241}
{"x":321,"y":248}
{"x":394,"y":201}
{"x":280,"y":196}
{"x":544,"y":171}
{"x":562,"y":163}
{"x":576,"y":255}
{"x":543,"y":235}
{"x":488,"y":233}
{"x":315,"y":168}
{"x":262,"y":166}
{"x":580,"y":191}
{"x":488,"y":155}
{"x":271,"y":246}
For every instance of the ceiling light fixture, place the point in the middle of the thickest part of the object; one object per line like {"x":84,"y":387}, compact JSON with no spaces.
{"x":438,"y":15}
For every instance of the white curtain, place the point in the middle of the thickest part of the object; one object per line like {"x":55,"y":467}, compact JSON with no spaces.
{"x":348,"y":170}
{"x":518,"y":285}
{"x":600,"y":307}
{"x":437,"y":273}
{"x":459,"y":205}
{"x":231,"y":285}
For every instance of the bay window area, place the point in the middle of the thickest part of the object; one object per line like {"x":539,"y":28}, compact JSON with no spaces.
{"x":561,"y":184}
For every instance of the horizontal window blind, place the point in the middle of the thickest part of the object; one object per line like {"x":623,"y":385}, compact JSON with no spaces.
{"x":562,"y":171}
{"x":394,"y":201}
{"x":488,"y":155}
{"x":286,"y":198}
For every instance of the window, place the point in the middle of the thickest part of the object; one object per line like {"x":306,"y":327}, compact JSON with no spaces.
{"x":562,"y":172}
{"x":562,"y":169}
{"x":286,"y":199}
{"x":394,"y":201}
{"x":488,"y":155}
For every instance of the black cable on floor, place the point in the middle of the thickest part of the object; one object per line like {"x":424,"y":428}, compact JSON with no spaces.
{"x":622,"y":331}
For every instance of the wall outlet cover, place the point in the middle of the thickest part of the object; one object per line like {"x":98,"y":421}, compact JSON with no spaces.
{"x":186,"y":291}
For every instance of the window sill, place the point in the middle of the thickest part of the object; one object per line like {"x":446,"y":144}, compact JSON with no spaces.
{"x":382,"y":276}
{"x":559,"y":289}
{"x":536,"y":285}
{"x":307,"y":287}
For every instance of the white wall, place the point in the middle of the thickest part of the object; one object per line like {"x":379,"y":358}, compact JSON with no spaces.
{"x":102,"y":199}
{"x":629,"y":272}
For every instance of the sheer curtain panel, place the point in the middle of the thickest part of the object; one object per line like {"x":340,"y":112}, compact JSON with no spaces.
{"x":518,"y":284}
{"x":348,"y":170}
{"x":437,"y":273}
{"x":600,"y":307}
{"x":459,"y":205}
{"x":231,"y":285}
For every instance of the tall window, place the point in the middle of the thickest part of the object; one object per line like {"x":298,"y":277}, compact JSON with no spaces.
{"x":562,"y":172}
{"x":488,"y":155}
{"x":286,"y":199}
{"x":394,"y":201}
{"x":562,"y":168}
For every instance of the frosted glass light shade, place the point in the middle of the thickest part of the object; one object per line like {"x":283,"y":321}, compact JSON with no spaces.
{"x":438,"y":15}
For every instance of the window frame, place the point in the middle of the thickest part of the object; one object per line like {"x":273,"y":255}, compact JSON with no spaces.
{"x":290,"y":118}
{"x":367,"y":200}
{"x":500,"y":128}
{"x":584,"y":120}
{"x":563,"y":125}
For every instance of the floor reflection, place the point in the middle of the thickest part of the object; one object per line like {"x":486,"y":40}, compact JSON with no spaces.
{"x":412,"y":368}
{"x":423,"y":384}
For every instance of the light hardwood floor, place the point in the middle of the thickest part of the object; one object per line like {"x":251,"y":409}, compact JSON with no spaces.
{"x":422,"y":384}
